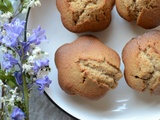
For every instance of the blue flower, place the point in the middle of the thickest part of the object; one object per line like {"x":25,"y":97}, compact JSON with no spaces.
{"x":37,"y":36}
{"x":9,"y":41}
{"x":15,"y":28}
{"x":18,"y":77}
{"x":13,"y":31}
{"x":40,"y":64}
{"x":8,"y":61}
{"x":24,"y":47}
{"x":42,"y":83}
{"x":1,"y":36}
{"x":17,"y":114}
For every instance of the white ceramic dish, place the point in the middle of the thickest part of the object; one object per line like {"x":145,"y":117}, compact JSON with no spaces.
{"x":123,"y":103}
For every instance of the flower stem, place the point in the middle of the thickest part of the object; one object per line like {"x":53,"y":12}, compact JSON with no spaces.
{"x":25,"y":89}
{"x":26,"y":99}
{"x":25,"y":33}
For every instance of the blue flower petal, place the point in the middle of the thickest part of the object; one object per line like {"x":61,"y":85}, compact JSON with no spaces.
{"x":40,"y":64}
{"x":18,"y":77}
{"x":42,"y":83}
{"x":17,"y":114}
{"x":8,"y":61}
{"x":37,"y":36}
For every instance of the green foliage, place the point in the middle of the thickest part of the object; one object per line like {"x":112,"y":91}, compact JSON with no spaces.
{"x":9,"y":79}
{"x":6,"y":6}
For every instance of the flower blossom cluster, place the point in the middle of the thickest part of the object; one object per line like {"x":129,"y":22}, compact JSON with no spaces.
{"x":30,"y":3}
{"x":4,"y":17}
{"x":25,"y":5}
{"x":9,"y":99}
{"x":23,"y":58}
{"x":31,"y":57}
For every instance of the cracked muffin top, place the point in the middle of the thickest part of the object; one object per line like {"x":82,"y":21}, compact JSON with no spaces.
{"x":145,"y":12}
{"x":85,"y":15}
{"x":141,"y":57}
{"x":87,"y":67}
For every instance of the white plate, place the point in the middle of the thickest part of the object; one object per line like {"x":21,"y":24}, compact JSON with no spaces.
{"x":123,"y":103}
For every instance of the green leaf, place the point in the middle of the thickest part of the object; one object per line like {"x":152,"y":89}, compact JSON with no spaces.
{"x":8,"y":5}
{"x":8,"y":79}
{"x":9,"y":108}
{"x":3,"y":8}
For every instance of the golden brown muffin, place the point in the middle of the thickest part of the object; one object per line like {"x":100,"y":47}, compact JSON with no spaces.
{"x":145,"y":12}
{"x":141,"y":57}
{"x":87,"y":67}
{"x":85,"y":15}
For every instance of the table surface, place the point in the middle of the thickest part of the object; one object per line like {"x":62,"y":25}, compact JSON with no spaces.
{"x":41,"y":108}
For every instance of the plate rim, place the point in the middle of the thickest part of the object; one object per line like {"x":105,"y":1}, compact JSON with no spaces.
{"x":45,"y":93}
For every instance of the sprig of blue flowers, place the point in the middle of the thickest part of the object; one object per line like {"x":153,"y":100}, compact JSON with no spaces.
{"x":23,"y":65}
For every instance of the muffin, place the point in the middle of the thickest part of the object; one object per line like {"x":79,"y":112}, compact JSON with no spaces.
{"x":85,"y":15}
{"x":145,"y":12}
{"x":141,"y":57}
{"x":87,"y":67}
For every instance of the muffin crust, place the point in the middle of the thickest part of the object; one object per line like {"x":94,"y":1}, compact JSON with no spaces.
{"x":141,"y":57}
{"x":146,"y":13}
{"x":85,"y":15}
{"x":87,"y":67}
